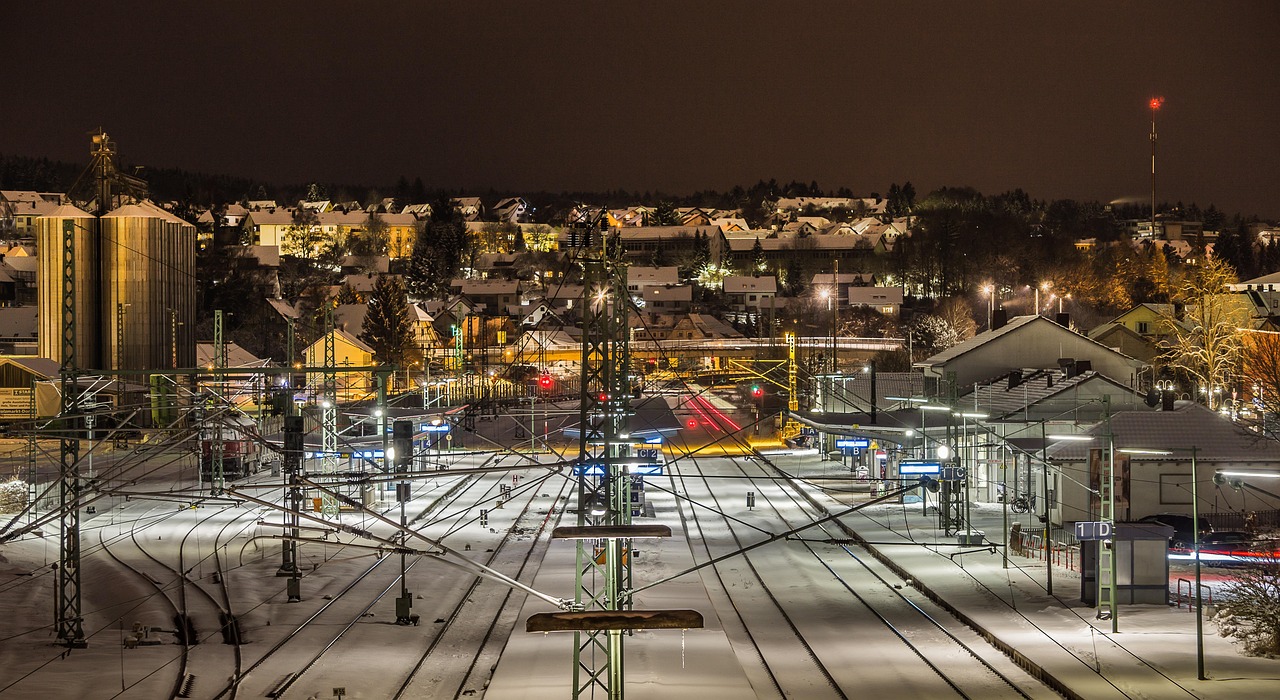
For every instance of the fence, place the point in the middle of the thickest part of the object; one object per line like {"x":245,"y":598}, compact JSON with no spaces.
{"x":1031,"y":545}
{"x":1249,"y":520}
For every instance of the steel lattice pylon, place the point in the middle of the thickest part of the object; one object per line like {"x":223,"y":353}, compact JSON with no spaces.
{"x":329,"y":406}
{"x":69,"y":622}
{"x":603,"y":576}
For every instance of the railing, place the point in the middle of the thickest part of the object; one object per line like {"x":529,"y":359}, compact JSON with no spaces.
{"x":1190,"y":596}
{"x":1032,"y":546}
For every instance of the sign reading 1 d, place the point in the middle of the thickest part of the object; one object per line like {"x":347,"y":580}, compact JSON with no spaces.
{"x":1093,"y":530}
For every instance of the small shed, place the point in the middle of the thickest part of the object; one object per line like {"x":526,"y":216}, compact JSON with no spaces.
{"x":1142,"y":565}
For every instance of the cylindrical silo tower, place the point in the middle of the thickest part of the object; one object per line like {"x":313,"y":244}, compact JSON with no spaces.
{"x":149,"y":285}
{"x":50,"y":230}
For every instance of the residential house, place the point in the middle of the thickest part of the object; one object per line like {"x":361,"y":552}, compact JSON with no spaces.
{"x":470,"y":208}
{"x":565,"y":300}
{"x":22,"y":267}
{"x":511,"y":210}
{"x":842,"y":284}
{"x":1025,"y":342}
{"x":19,"y":330}
{"x":886,"y":300}
{"x":349,"y":351}
{"x":19,"y":210}
{"x":402,"y":233}
{"x":639,"y":277}
{"x":493,"y":296}
{"x":270,"y":227}
{"x":1263,"y":294}
{"x":748,"y":296}
{"x":670,"y":301}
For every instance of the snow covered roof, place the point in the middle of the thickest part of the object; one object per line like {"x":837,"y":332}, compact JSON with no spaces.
{"x":1215,"y":438}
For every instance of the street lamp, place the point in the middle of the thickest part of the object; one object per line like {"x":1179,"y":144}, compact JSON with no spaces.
{"x":1195,"y":543}
{"x":990,"y":290}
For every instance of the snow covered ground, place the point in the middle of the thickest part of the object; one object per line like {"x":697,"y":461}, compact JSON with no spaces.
{"x":1153,"y":655}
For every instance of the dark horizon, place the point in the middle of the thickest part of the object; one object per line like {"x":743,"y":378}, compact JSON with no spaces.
{"x":513,"y":97}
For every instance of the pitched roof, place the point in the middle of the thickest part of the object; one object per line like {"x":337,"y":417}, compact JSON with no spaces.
{"x":1190,"y":425}
{"x":739,"y":284}
{"x":998,"y":398}
{"x":236,"y":356}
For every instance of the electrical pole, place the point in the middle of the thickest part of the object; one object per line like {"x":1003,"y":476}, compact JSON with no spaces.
{"x":68,"y":619}
{"x":604,"y":486}
{"x":293,"y":443}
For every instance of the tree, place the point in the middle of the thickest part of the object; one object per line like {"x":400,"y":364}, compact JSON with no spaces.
{"x":304,"y":238}
{"x":1249,"y":609}
{"x":1261,"y":355}
{"x":347,"y":295}
{"x":371,"y":242}
{"x":438,"y":251}
{"x":1206,"y":342}
{"x":388,"y":325}
{"x":663,"y":215}
{"x":958,"y":314}
{"x":758,"y":261}
{"x":932,"y":334}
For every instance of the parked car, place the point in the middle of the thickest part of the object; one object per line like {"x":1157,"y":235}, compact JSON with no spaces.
{"x":1226,"y":540}
{"x":1183,"y":534}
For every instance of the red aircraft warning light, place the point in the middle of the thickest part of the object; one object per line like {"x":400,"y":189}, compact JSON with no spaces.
{"x":1156,"y":102}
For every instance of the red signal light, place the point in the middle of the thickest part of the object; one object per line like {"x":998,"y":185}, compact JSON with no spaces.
{"x":545,"y":381}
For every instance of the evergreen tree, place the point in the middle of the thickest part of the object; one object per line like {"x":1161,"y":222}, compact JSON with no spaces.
{"x":388,"y":325}
{"x":758,"y":262}
{"x":438,"y":251}
{"x":702,"y":251}
{"x":347,"y":295}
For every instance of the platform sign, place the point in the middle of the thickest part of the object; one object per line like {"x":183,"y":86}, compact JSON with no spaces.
{"x":649,"y":453}
{"x":853,"y":443}
{"x":1093,"y":530}
{"x":432,"y":428}
{"x":917,"y":467}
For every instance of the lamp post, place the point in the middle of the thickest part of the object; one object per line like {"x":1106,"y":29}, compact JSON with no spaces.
{"x":990,"y":290}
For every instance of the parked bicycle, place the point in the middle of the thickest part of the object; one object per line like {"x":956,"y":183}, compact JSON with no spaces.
{"x":1022,"y":503}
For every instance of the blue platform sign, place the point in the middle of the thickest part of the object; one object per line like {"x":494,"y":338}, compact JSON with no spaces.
{"x":854,"y":443}
{"x":431,"y":428}
{"x":917,"y":467}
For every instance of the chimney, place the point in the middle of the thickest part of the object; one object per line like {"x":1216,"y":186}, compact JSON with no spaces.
{"x":1083,"y":366}
{"x":1015,"y":378}
{"x":1068,"y":366}
{"x":1064,"y":320}
{"x":999,"y":318}
{"x":1166,"y":400}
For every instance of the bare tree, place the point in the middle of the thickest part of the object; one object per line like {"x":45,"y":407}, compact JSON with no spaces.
{"x":1249,"y":609}
{"x":1206,"y":341}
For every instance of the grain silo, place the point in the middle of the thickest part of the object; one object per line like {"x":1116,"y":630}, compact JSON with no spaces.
{"x":148,"y":289}
{"x":83,"y":228}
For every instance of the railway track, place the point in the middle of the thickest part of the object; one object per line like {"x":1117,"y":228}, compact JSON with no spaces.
{"x":840,"y":642}
{"x":189,"y":606}
{"x":346,"y":626}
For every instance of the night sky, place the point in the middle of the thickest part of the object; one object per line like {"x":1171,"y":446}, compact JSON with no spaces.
{"x":672,"y":96}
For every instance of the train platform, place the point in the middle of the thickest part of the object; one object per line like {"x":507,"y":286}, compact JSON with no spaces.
{"x":1152,"y":653}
